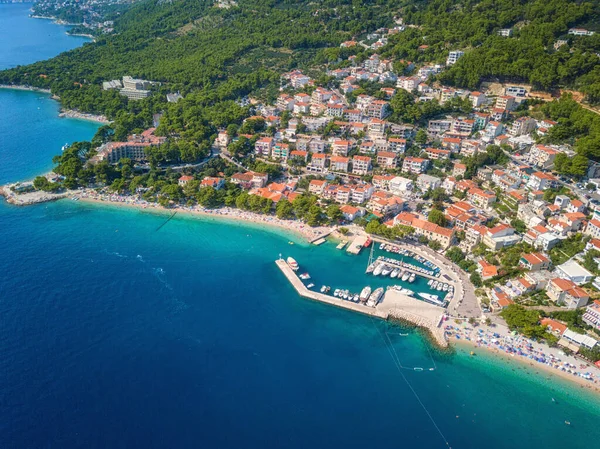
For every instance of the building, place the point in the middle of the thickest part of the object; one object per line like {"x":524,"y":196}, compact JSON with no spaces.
{"x":542,"y":156}
{"x":396,"y":144}
{"x":214,"y":182}
{"x":317,"y":186}
{"x":183,"y":180}
{"x":435,"y":154}
{"x":415,"y":165}
{"x":505,"y":32}
{"x":280,"y":151}
{"x":505,"y":102}
{"x":361,"y":165}
{"x":339,"y":163}
{"x":134,"y":148}
{"x":535,"y":262}
{"x":387,"y":159}
{"x":431,"y":231}
{"x":541,"y":181}
{"x":250,"y":180}
{"x":399,"y":185}
{"x":574,"y":272}
{"x":522,"y":125}
{"x":580,"y":32}
{"x":454,"y":56}
{"x":481,"y":198}
{"x":591,"y":316}
{"x":593,"y":229}
{"x":427,"y":182}
{"x":351,"y":212}
{"x":263,"y":146}
{"x":500,"y":236}
{"x":566,"y":292}
{"x":135,"y":89}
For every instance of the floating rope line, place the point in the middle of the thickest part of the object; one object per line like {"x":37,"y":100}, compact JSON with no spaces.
{"x":168,"y":219}
{"x":398,"y":366}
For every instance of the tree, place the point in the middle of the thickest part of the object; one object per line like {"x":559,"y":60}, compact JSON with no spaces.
{"x":435,"y":245}
{"x":437,"y":216}
{"x":519,"y":225}
{"x":334,"y":212}
{"x":455,"y":254}
{"x":284,"y":209}
{"x":476,"y":279}
{"x":421,"y":137}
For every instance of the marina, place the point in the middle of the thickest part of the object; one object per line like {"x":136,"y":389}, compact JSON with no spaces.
{"x":392,"y":303}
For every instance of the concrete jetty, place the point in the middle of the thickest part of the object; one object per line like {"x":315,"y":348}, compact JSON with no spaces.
{"x":357,"y":244}
{"x":394,"y":305}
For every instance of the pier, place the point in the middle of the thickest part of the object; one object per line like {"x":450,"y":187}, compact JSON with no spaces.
{"x":394,"y":305}
{"x":357,"y":244}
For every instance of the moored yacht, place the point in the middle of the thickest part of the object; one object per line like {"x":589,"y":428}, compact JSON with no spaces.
{"x":375,"y":297}
{"x":292,"y":263}
{"x":365,"y":293}
{"x":386,"y":270}
{"x":412,"y":278}
{"x":395,"y":273}
{"x":405,"y":276}
{"x":378,"y":269}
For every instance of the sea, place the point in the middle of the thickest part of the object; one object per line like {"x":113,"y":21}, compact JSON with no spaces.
{"x":121,"y":329}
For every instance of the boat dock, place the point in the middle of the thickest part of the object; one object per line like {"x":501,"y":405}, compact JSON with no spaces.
{"x":357,"y":244}
{"x":394,"y":305}
{"x":341,"y":244}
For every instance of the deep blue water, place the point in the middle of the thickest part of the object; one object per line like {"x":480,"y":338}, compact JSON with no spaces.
{"x":116,"y":334}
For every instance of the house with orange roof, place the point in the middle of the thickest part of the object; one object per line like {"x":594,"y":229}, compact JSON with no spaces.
{"x":316,"y":186}
{"x":566,"y":292}
{"x":593,"y":229}
{"x":541,"y":181}
{"x":317,"y":162}
{"x":487,"y":270}
{"x":263,"y":146}
{"x":535,"y":262}
{"x":183,"y":180}
{"x":299,"y":155}
{"x":415,"y":165}
{"x":553,"y":326}
{"x":431,"y":231}
{"x":339,"y":163}
{"x":351,"y":212}
{"x":542,"y":156}
{"x":481,"y":198}
{"x":500,"y":236}
{"x":361,"y":165}
{"x":459,"y":169}
{"x":387,"y":159}
{"x":341,"y":147}
{"x":435,"y":153}
{"x":214,"y":182}
{"x":576,"y":206}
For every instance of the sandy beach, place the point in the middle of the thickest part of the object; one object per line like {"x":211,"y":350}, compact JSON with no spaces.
{"x":225,"y":213}
{"x":27,"y":88}
{"x":70,"y":113}
{"x":541,"y":359}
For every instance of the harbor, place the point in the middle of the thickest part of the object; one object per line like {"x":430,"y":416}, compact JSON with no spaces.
{"x":392,"y":304}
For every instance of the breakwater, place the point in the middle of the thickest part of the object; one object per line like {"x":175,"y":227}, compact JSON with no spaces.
{"x":394,"y":306}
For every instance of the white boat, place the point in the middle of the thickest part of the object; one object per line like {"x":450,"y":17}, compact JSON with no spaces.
{"x":336,"y":293}
{"x":439,"y":287}
{"x":356,"y":298}
{"x":378,"y":269}
{"x":412,"y":278}
{"x":311,"y":285}
{"x":370,"y":268}
{"x":434,"y":284}
{"x":304,"y":276}
{"x":395,"y":273}
{"x":429,"y":282}
{"x":386,"y":270}
{"x":292,"y":263}
{"x":445,"y":288}
{"x":345,"y":294}
{"x":375,"y":297}
{"x":323,"y":289}
{"x":405,"y":276}
{"x":365,"y":293}
{"x":434,"y":299}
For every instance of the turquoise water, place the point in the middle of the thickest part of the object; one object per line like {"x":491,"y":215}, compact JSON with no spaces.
{"x":117,"y":334}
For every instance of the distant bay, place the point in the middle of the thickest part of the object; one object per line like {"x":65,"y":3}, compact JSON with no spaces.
{"x":115,"y":333}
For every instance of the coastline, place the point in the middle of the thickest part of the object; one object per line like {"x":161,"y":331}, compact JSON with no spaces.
{"x":227,"y":214}
{"x":26,"y":88}
{"x":71,"y":113}
{"x":528,"y":364}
